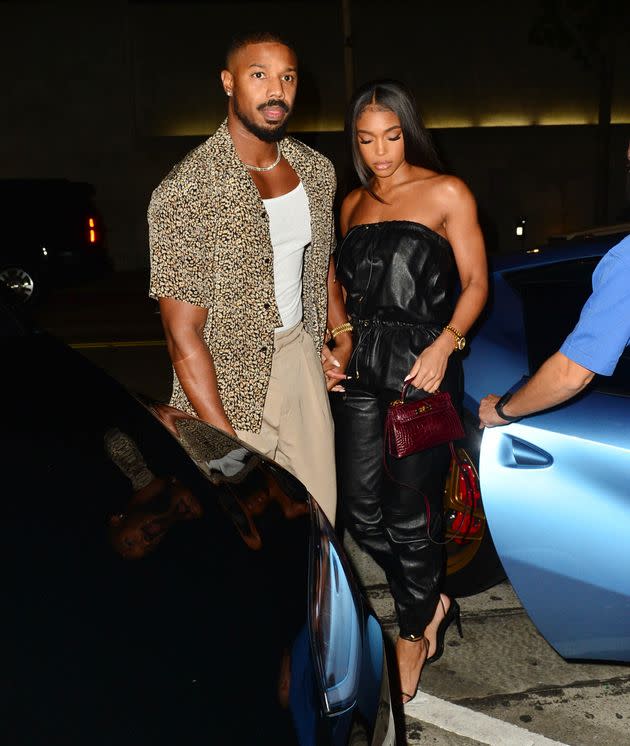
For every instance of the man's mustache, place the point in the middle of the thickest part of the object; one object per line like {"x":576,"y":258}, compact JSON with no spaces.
{"x":274,"y":102}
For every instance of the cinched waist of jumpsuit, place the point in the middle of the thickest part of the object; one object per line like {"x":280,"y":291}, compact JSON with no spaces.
{"x":366,"y":331}
{"x":375,"y":322}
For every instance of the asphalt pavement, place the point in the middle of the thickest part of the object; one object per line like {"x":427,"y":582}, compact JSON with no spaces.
{"x":114,"y":323}
{"x":502,"y":684}
{"x":520,"y":690}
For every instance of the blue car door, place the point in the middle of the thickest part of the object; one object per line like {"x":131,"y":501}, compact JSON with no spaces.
{"x":556,"y":487}
{"x":556,"y":490}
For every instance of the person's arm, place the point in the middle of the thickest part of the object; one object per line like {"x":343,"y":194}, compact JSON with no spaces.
{"x":594,"y":346}
{"x":335,"y":361}
{"x":466,"y":239}
{"x":183,"y":326}
{"x":558,"y":379}
{"x":183,"y":288}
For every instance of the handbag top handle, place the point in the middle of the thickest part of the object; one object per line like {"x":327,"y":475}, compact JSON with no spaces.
{"x":405,"y":389}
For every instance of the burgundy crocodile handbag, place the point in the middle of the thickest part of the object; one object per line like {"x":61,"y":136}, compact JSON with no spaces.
{"x":413,"y":426}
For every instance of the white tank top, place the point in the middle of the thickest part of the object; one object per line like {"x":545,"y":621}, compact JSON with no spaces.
{"x":290,"y":229}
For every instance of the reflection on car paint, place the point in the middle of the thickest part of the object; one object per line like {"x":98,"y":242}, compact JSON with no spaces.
{"x":140,"y":605}
{"x":157,"y":503}
{"x":228,"y":466}
{"x":341,"y":648}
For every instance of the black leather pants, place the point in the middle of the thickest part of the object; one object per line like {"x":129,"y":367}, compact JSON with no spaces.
{"x":387,"y":519}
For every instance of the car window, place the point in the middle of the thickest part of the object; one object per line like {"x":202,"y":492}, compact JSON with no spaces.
{"x":553,"y":296}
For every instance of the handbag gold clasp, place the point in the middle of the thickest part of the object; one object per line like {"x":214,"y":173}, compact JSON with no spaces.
{"x":423,"y":408}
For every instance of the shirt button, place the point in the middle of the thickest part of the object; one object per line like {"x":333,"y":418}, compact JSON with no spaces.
{"x":266,"y":260}
{"x":266,"y":306}
{"x":263,"y":349}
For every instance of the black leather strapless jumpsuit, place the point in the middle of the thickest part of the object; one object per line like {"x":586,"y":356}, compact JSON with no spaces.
{"x":399,"y":277}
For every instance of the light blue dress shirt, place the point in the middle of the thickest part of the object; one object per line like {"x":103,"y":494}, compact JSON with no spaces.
{"x":603,"y":331}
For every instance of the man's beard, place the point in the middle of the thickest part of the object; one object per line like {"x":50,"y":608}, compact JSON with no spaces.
{"x":274,"y":133}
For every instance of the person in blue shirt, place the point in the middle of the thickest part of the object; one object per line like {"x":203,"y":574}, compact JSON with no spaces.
{"x":594,"y":346}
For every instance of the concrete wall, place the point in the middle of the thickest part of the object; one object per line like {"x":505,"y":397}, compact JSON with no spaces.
{"x":114,"y":93}
{"x":472,"y":64}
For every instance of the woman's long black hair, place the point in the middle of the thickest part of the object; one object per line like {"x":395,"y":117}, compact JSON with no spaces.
{"x":393,"y":96}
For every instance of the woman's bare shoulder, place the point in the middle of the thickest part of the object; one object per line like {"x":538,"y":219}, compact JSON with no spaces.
{"x":352,"y":199}
{"x":446,"y":192}
{"x":348,"y":208}
{"x":451,"y":188}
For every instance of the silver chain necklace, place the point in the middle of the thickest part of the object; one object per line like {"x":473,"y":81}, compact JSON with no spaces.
{"x":265,"y":168}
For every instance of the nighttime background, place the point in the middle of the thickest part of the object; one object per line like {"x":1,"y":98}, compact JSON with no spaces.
{"x":114,"y":93}
{"x":528,"y":102}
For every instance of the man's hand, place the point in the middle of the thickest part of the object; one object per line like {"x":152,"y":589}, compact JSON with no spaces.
{"x":192,"y":361}
{"x":559,"y":378}
{"x":169,"y":416}
{"x":334,"y":365}
{"x":488,"y":416}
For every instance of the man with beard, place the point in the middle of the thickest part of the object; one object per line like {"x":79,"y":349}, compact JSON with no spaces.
{"x":241,"y":232}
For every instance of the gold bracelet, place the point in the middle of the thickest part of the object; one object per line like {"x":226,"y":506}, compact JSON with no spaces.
{"x":347,"y":327}
{"x":460,"y":339}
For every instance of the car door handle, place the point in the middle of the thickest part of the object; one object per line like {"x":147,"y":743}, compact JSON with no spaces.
{"x":519,"y":454}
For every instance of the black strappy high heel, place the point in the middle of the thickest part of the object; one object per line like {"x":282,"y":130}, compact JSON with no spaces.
{"x":426,"y":647}
{"x":453,"y":613}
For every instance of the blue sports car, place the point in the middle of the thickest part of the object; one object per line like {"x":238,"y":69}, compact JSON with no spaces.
{"x":556,"y":486}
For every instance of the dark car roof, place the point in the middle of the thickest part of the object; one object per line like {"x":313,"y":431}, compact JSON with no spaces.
{"x":558,"y":249}
{"x":129,"y":643}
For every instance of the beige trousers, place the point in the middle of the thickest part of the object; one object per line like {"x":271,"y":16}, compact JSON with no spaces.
{"x":297,"y":430}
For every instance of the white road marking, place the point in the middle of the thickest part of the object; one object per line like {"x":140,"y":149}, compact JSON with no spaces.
{"x":471,"y":724}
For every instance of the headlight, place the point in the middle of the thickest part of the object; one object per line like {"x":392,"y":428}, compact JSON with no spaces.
{"x":333,"y":620}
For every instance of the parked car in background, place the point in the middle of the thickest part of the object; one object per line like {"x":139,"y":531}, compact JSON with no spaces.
{"x":162,"y":583}
{"x":555,"y":486}
{"x":51,"y":234}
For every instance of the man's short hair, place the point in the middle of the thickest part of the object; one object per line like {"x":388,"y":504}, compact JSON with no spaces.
{"x":254,"y":37}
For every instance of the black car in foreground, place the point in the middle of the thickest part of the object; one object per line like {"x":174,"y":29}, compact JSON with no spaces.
{"x":162,"y":583}
{"x":50,"y":233}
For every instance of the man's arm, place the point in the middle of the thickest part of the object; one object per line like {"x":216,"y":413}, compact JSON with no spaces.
{"x":183,"y":325}
{"x":594,"y":346}
{"x":559,"y":378}
{"x":336,"y":361}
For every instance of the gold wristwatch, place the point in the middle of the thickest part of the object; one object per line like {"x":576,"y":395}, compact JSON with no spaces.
{"x":460,"y":339}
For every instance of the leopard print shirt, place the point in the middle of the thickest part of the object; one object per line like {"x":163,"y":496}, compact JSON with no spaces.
{"x":210,"y":246}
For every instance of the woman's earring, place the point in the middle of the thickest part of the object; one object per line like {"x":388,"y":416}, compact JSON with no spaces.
{"x":229,"y":93}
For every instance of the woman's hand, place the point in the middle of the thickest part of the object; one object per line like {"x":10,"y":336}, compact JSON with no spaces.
{"x":335,"y":363}
{"x":428,"y":370}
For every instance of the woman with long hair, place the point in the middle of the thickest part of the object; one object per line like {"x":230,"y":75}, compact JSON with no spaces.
{"x":409,"y":233}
